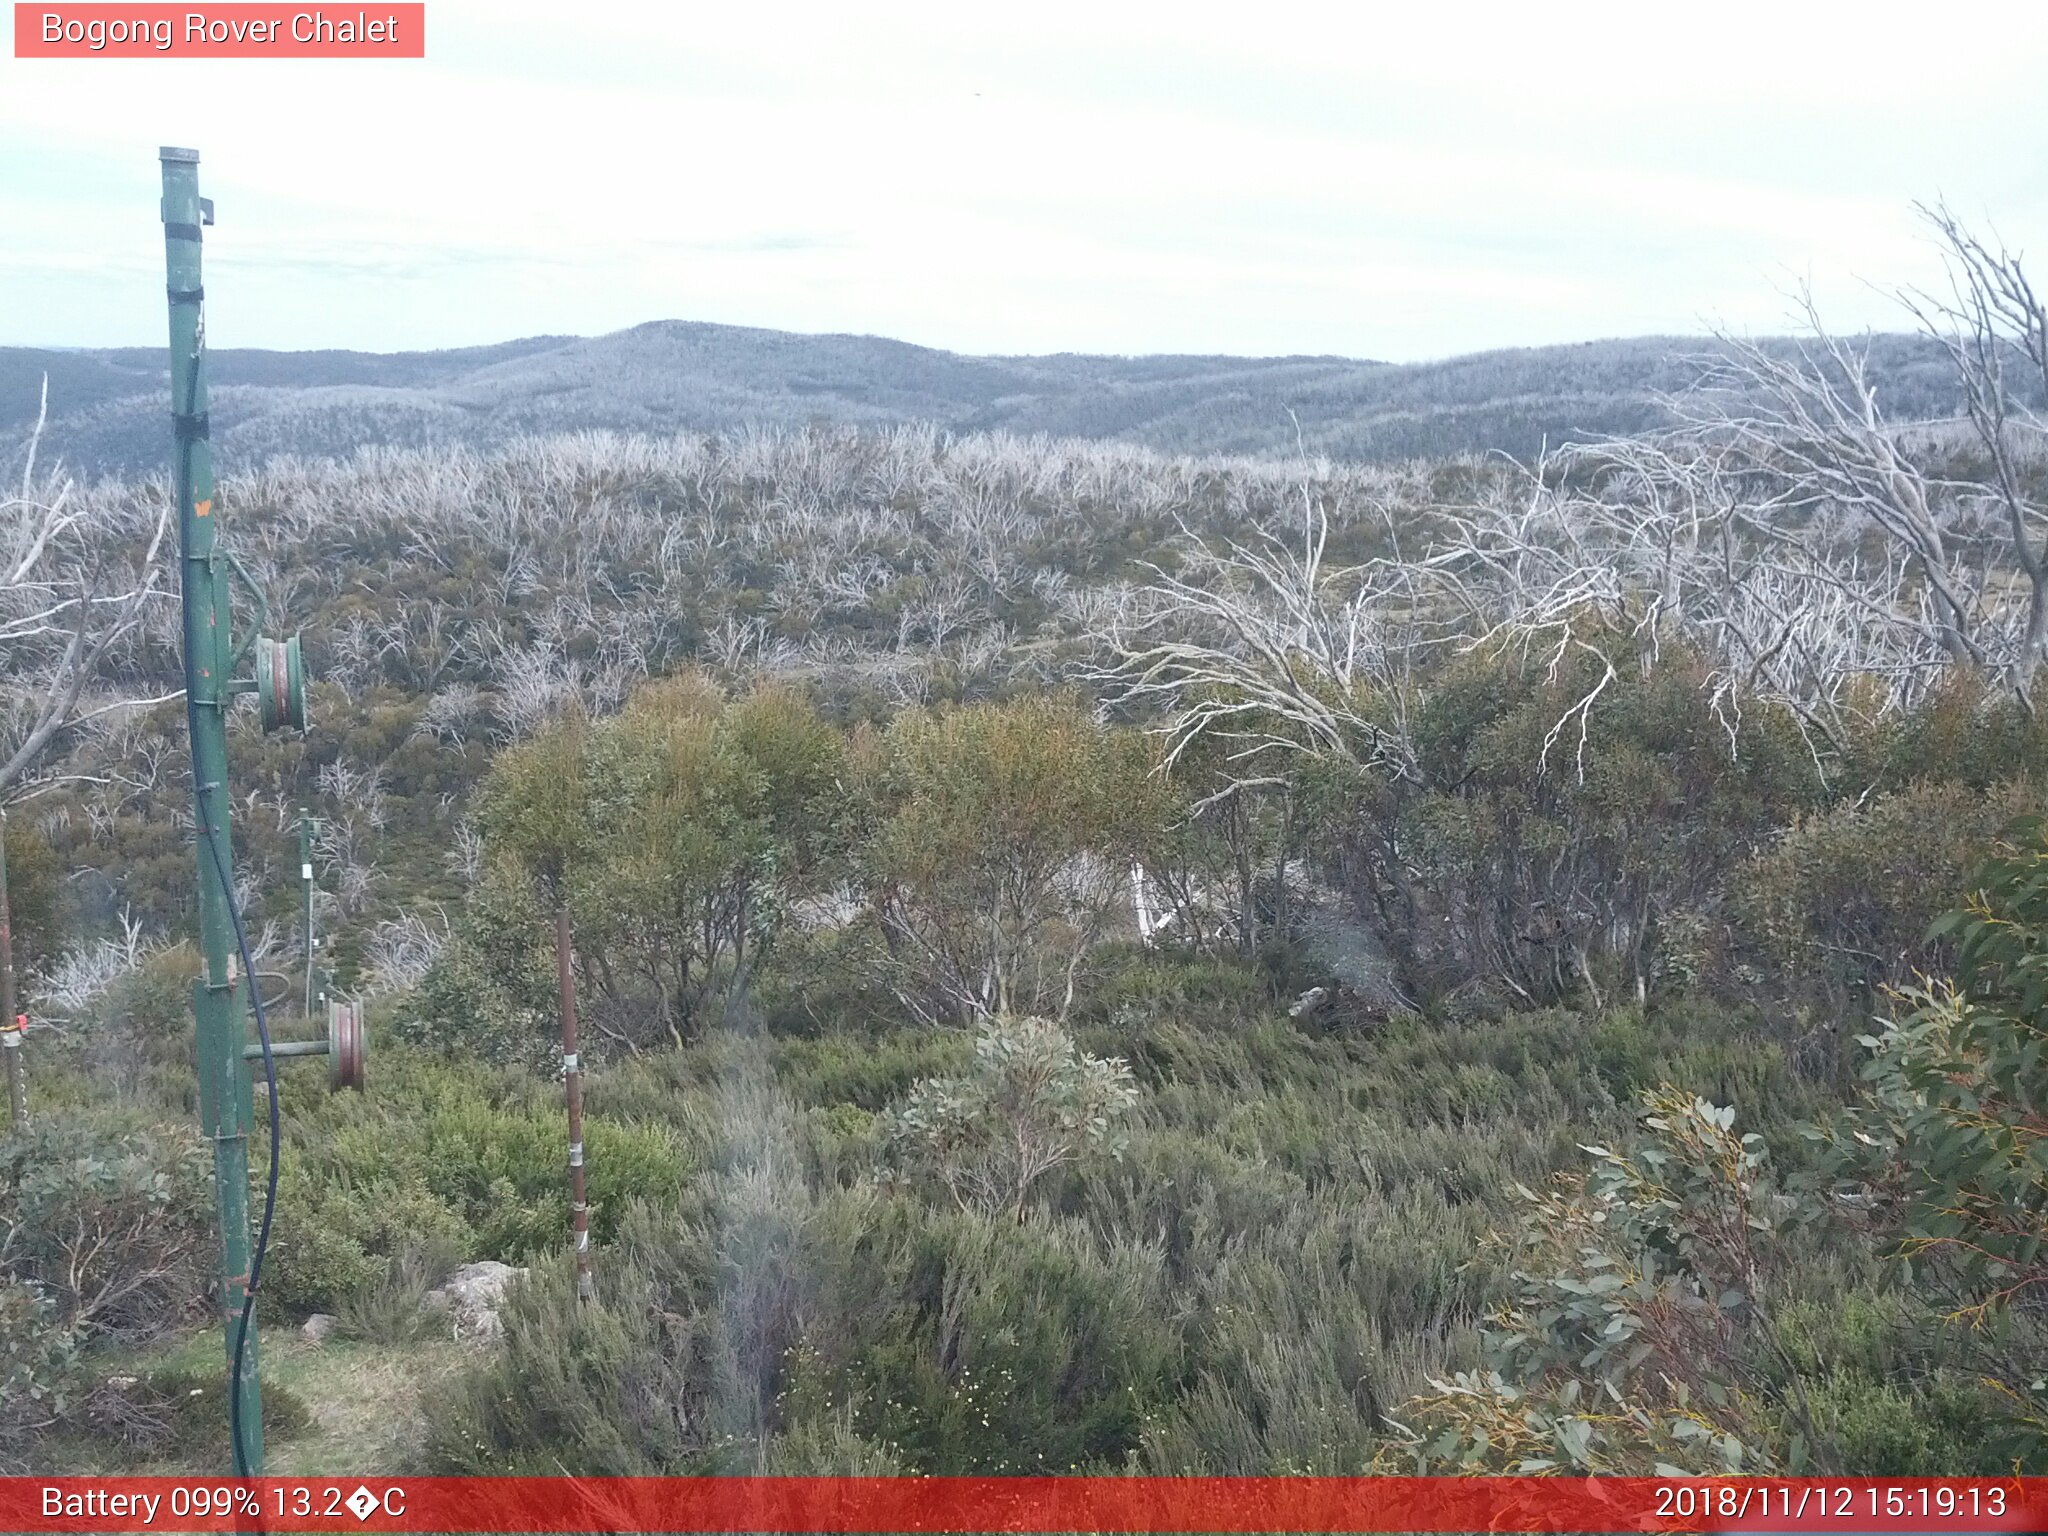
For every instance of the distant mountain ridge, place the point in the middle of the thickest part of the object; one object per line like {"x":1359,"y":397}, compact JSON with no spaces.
{"x":108,"y":407}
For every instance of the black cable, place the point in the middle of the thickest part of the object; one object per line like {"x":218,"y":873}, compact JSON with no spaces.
{"x":227,"y":888}
{"x":276,"y":1143}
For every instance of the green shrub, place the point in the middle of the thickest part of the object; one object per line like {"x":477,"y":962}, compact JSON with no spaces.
{"x":38,"y":902}
{"x":1878,"y":1430}
{"x":1626,"y":1347}
{"x":1142,"y":986}
{"x":828,"y":1446}
{"x":132,"y":1043}
{"x":389,"y":1309}
{"x":1546,"y":848}
{"x":1000,"y":850}
{"x":772,"y":1314}
{"x":1969,"y":730}
{"x":492,"y":990}
{"x":440,"y":1155}
{"x":574,"y":1387}
{"x":337,"y":1244}
{"x":862,"y":1070}
{"x":1306,"y":1325}
{"x":1952,"y":1133}
{"x":111,"y":1218}
{"x":38,"y":1367}
{"x":676,"y":834}
{"x":1885,"y":1383}
{"x":1028,"y":1105}
{"x":979,"y":1346}
{"x":1850,"y":892}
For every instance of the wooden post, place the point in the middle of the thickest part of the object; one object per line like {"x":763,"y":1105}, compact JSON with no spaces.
{"x":306,"y":893}
{"x":572,"y":1081}
{"x":10,"y":1022}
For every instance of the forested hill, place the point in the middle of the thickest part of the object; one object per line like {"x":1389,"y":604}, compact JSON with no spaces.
{"x":107,"y":407}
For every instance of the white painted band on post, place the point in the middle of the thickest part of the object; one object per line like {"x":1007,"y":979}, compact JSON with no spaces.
{"x":11,"y":1039}
{"x":583,"y":1242}
{"x":569,"y":1062}
{"x":575,"y":1154}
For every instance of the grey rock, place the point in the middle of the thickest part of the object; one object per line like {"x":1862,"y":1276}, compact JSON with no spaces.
{"x":1308,"y":1002}
{"x":471,"y":1297}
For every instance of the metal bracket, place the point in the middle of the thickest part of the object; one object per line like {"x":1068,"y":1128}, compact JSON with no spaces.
{"x":241,"y":572}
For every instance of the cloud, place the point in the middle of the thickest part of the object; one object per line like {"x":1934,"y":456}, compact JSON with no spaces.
{"x":1286,"y":178}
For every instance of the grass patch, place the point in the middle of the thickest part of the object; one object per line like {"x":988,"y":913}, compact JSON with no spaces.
{"x":334,"y":1409}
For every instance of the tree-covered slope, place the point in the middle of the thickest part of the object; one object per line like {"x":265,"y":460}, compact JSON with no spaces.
{"x":107,"y":407}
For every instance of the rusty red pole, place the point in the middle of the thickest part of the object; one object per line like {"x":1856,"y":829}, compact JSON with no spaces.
{"x":572,"y":1080}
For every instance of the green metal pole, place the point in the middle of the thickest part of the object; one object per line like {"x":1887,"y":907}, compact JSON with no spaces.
{"x":306,"y":885}
{"x":226,"y":1106}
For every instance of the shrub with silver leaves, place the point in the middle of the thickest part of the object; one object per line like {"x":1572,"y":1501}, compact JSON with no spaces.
{"x":1029,"y":1103}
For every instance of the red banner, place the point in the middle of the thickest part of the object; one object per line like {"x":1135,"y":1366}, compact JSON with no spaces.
{"x":1032,"y":1504}
{"x":234,"y":31}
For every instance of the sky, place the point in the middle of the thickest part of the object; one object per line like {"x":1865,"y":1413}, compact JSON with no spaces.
{"x":1262,"y":177}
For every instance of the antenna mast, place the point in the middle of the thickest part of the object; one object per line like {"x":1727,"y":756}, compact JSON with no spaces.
{"x":226,"y":1102}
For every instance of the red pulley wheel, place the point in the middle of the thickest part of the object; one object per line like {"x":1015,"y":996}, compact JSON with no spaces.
{"x":347,"y":1047}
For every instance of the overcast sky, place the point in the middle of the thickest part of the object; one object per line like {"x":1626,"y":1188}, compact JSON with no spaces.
{"x":1385,"y":181}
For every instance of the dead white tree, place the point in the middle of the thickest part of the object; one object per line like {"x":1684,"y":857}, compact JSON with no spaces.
{"x":1663,"y":539}
{"x":1804,"y":430}
{"x":1995,"y":330}
{"x":77,"y":572}
{"x":402,"y":949}
{"x":1262,"y":645}
{"x":1748,"y":530}
{"x":453,"y":714}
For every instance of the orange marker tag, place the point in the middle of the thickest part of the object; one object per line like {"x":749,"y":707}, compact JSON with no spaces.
{"x":202,"y":508}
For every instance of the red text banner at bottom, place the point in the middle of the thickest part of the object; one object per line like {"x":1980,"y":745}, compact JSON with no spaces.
{"x":1025,"y":1504}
